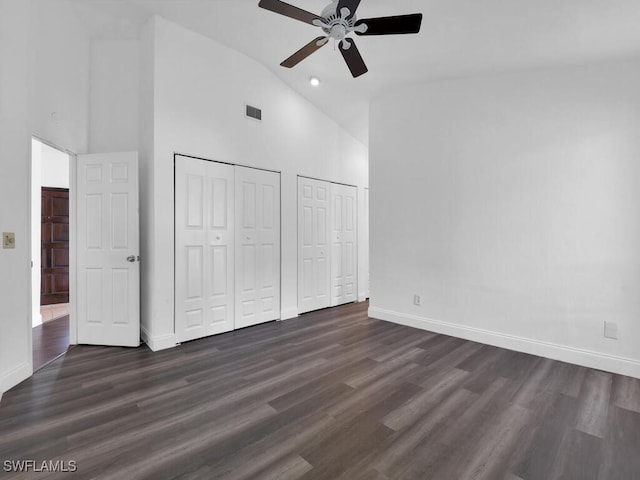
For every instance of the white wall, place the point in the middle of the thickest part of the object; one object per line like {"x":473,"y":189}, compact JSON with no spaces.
{"x":44,"y":59}
{"x":54,"y":167}
{"x":114,"y":95}
{"x":511,"y":205}
{"x":60,"y":52}
{"x":15,"y":347}
{"x":146,"y":127}
{"x":200,"y":90}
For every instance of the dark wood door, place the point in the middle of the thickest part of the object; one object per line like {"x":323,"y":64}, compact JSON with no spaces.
{"x":55,"y":246}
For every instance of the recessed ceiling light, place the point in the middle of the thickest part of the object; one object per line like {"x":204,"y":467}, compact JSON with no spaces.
{"x":314,"y":81}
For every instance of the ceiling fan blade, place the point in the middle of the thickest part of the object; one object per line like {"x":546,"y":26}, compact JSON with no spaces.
{"x":352,"y":56}
{"x":305,"y":51}
{"x":391,"y":25}
{"x":352,"y":5}
{"x":289,"y":11}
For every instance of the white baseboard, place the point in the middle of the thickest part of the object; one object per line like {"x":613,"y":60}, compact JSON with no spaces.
{"x":288,"y":313}
{"x":362,"y":296}
{"x":586,"y":358}
{"x":13,"y":377}
{"x":158,"y":342}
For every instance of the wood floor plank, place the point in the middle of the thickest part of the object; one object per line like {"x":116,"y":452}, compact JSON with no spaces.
{"x":478,"y":413}
{"x":620,"y":459}
{"x":490,"y":456}
{"x":331,"y":394}
{"x":361,"y":437}
{"x":380,"y":387}
{"x":537,"y":454}
{"x":50,"y":340}
{"x":626,"y":393}
{"x":579,"y":456}
{"x":383,"y":368}
{"x":400,"y":456}
{"x":430,"y":396}
{"x":594,"y":403}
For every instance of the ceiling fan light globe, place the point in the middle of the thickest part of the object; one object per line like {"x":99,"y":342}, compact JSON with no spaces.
{"x":338,"y":32}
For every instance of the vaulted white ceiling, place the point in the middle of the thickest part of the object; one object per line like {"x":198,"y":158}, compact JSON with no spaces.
{"x":458,"y":38}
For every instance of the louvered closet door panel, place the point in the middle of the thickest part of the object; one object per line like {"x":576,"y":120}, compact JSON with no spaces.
{"x":257,"y":286}
{"x":204,"y":225}
{"x":313,"y":244}
{"x":343,"y":244}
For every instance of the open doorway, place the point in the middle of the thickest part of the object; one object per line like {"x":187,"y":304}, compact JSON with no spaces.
{"x":49,"y":252}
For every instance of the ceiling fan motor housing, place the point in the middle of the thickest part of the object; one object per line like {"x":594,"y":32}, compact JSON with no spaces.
{"x":337,"y":21}
{"x":337,"y":27}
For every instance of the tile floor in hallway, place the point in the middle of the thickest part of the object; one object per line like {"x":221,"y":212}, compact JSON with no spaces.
{"x":51,"y":312}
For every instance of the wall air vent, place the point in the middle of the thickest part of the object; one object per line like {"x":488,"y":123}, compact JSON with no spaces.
{"x":254,"y":112}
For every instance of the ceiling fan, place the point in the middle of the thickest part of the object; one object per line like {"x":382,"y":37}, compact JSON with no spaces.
{"x":337,"y":21}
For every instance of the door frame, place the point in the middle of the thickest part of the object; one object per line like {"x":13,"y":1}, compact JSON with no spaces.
{"x":73,"y":249}
{"x":72,"y":243}
{"x":279,"y":172}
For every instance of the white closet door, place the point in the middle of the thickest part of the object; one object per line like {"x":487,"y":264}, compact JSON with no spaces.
{"x":204,"y":248}
{"x":313,"y":244}
{"x":257,"y":283}
{"x":343,"y":244}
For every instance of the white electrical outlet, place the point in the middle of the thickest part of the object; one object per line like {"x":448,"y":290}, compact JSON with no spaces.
{"x":416,"y":300}
{"x":611,"y":330}
{"x":8,"y":240}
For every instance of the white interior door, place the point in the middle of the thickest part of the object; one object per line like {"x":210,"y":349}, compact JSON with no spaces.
{"x":313,"y":244}
{"x":343,"y":244}
{"x":108,"y":269}
{"x":204,"y":263}
{"x":257,"y":284}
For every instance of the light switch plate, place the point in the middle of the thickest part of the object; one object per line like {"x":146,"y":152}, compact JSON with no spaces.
{"x":8,"y":240}
{"x":611,"y":330}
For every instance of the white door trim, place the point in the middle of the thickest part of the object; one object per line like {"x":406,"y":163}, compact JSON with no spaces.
{"x":73,"y":250}
{"x":73,"y":328}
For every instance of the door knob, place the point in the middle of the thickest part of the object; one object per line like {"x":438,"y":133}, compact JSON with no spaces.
{"x":131,"y":258}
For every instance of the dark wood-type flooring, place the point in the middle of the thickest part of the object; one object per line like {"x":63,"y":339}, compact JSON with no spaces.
{"x":50,"y":340}
{"x":329,"y":395}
